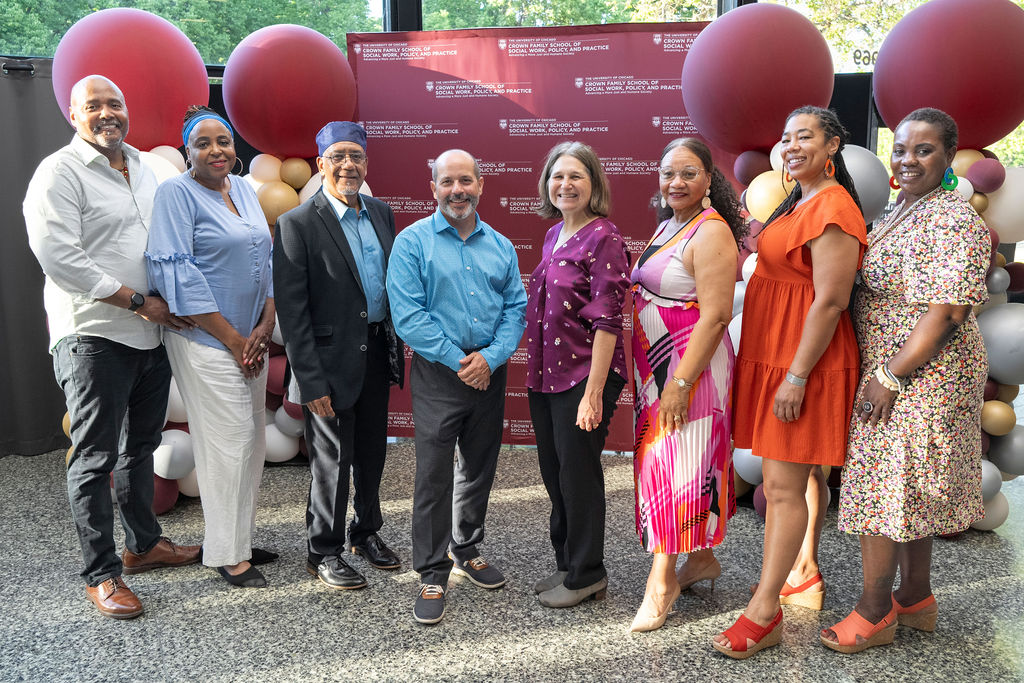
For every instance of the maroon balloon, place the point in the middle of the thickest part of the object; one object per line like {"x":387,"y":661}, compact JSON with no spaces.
{"x":282,"y":83}
{"x":760,"y":502}
{"x":986,"y":442}
{"x":294,"y":410}
{"x":275,"y":375}
{"x":749,"y":165}
{"x":1016,"y":271}
{"x":749,"y":69}
{"x":154,"y":64}
{"x":274,"y":401}
{"x":965,"y":58}
{"x":991,"y":389}
{"x":989,"y":154}
{"x":986,"y":175}
{"x":165,"y":494}
{"x":994,"y":236}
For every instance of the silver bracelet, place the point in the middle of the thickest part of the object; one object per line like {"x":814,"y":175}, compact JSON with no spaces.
{"x":794,"y":380}
{"x":683,"y":384}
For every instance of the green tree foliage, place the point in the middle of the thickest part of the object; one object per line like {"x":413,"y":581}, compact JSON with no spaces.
{"x":35,"y":27}
{"x":448,"y":14}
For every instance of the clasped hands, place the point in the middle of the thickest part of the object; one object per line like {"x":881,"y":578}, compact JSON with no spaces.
{"x":475,"y":372}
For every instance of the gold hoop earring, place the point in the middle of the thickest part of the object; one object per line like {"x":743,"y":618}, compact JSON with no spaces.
{"x":241,"y":166}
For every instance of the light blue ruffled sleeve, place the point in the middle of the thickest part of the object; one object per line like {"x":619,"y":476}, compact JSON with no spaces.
{"x":170,"y":260}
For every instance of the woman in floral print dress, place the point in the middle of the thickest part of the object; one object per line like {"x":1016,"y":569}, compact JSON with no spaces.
{"x":913,"y":467}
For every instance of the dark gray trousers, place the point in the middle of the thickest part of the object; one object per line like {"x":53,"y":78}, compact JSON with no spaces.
{"x":450,"y":497}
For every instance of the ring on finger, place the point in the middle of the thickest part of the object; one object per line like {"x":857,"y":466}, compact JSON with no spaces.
{"x":867,"y":406}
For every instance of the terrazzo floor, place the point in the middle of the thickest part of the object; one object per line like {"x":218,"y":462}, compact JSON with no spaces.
{"x":198,"y":628}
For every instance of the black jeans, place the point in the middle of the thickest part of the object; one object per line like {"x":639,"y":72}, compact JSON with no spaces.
{"x":117,"y":400}
{"x":570,"y":465}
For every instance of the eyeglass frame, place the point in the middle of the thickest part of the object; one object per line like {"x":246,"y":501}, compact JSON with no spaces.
{"x":337,"y":158}
{"x":672,"y":173}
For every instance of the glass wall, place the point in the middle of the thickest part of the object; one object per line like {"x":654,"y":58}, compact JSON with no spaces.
{"x":446,"y":14}
{"x":33,"y":28}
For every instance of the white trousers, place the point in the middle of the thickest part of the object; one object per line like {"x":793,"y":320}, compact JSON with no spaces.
{"x":226,"y":417}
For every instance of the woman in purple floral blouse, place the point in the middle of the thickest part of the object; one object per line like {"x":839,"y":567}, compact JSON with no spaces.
{"x":576,"y":366}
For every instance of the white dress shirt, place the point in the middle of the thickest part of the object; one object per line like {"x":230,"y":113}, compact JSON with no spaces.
{"x":89,"y":230}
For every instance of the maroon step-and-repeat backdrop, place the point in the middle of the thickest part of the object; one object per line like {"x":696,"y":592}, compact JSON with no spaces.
{"x":508,"y":96}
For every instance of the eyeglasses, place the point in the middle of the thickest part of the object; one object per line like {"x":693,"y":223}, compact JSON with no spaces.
{"x":687,"y":173}
{"x":339,"y":157}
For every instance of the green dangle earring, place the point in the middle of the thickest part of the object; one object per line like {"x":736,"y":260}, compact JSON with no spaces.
{"x":949,"y":180}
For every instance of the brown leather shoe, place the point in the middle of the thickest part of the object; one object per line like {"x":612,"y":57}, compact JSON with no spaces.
{"x":114,"y":599}
{"x":163,"y":554}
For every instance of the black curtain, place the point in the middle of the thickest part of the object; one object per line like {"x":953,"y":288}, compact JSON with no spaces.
{"x":31,"y":403}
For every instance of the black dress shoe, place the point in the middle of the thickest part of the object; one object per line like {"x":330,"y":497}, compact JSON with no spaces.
{"x":377,"y":553}
{"x":261,"y":556}
{"x":333,"y":572}
{"x":250,"y":578}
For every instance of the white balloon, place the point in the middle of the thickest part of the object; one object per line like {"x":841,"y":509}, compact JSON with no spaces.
{"x":737,"y":298}
{"x":775,"y":156}
{"x":964,"y":187}
{"x":280,"y":447}
{"x":256,"y":184}
{"x":276,"y":335}
{"x":747,"y":465}
{"x":1007,"y":452}
{"x":161,"y":167}
{"x":175,"y":405}
{"x":311,"y":187}
{"x":991,"y":482}
{"x":172,"y":155}
{"x":996,"y":511}
{"x":734,"y":332}
{"x":1005,"y":212}
{"x":870,"y":178}
{"x":749,"y":264}
{"x":288,"y":424}
{"x":189,"y":485}
{"x":365,"y":189}
{"x":173,"y":458}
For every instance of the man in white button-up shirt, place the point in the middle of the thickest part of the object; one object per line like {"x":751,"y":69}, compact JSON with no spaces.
{"x":87,"y":210}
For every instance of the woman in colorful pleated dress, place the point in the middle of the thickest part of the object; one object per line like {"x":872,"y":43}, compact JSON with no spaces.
{"x":913,"y":467}
{"x":798,"y":364}
{"x":683,"y":368}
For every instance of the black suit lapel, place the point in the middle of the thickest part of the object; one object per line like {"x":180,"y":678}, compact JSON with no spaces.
{"x":332,"y":226}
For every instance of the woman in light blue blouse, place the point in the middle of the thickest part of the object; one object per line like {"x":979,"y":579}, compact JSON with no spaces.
{"x":209,"y":257}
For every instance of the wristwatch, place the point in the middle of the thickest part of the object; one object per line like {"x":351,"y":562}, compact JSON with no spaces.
{"x":136,"y":302}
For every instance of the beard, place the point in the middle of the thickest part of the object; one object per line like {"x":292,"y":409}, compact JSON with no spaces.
{"x":447,"y":210}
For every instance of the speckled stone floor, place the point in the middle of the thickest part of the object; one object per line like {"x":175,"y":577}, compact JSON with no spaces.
{"x":198,"y":628}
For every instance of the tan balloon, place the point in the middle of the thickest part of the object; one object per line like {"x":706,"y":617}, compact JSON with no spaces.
{"x":964,"y":159}
{"x":265,"y":168}
{"x":1007,"y":392}
{"x":276,"y":197}
{"x":66,"y":425}
{"x":295,"y":172}
{"x":999,"y":261}
{"x":997,"y":418}
{"x":765,"y":193}
{"x":172,"y":155}
{"x":162,"y":168}
{"x":67,"y":457}
{"x":979,"y":201}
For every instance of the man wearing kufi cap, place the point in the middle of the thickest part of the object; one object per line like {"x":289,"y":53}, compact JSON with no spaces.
{"x":330,"y":261}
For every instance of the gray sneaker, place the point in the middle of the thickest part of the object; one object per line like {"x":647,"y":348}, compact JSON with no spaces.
{"x":429,"y":607}
{"x":478,"y":571}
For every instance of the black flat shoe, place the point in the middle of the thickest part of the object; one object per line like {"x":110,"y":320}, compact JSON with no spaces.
{"x":261,"y":556}
{"x":250,"y":578}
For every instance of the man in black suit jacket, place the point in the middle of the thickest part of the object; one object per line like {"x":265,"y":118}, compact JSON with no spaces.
{"x":330,"y":260}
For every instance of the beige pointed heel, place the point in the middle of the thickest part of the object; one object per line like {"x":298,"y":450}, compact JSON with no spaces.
{"x":644,"y":621}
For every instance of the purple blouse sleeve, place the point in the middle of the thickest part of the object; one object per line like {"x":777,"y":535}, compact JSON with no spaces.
{"x":609,"y":281}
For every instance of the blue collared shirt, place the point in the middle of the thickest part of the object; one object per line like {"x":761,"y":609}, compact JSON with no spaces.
{"x":202,"y":258}
{"x":449,"y":295}
{"x":368,"y":253}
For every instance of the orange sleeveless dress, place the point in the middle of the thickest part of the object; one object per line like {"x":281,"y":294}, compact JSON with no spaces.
{"x":775,"y":305}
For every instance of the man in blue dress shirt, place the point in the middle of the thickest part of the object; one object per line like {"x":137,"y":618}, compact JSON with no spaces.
{"x":330,"y":258}
{"x":458,"y":300}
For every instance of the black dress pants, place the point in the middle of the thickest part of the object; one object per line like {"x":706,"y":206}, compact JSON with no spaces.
{"x":570,"y":465}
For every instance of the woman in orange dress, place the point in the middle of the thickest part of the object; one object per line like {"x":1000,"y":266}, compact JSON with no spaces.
{"x":798,"y":363}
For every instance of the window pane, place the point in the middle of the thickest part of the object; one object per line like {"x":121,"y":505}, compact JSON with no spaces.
{"x":448,"y":14}
{"x":35,"y":27}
